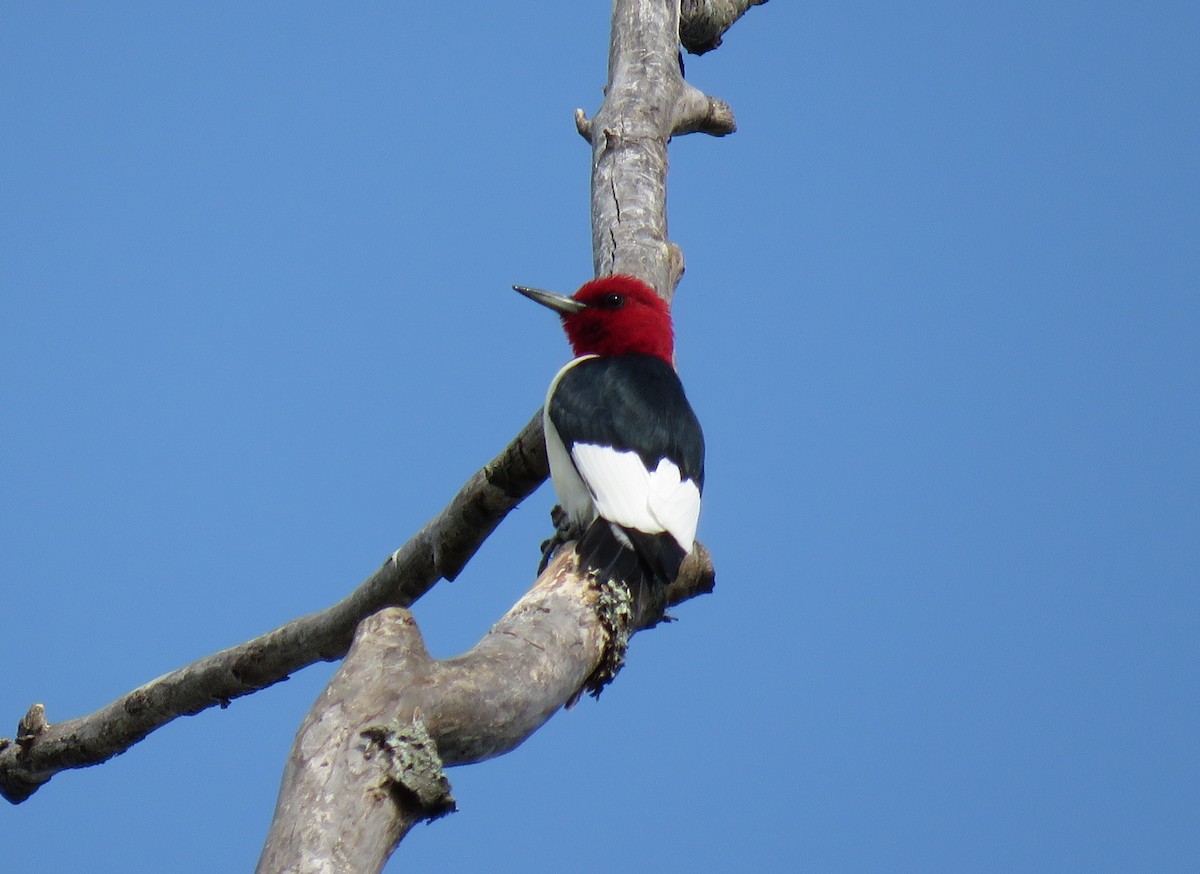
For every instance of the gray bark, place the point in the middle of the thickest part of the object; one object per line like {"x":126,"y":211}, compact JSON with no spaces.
{"x":439,"y":550}
{"x":367,"y":762}
{"x":647,"y":101}
{"x":345,"y":803}
{"x":703,"y":22}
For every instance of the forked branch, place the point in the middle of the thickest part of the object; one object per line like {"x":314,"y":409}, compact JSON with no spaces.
{"x":555,"y":633}
{"x":370,"y":752}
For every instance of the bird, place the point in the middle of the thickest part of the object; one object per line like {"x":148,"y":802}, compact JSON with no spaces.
{"x":626,"y":450}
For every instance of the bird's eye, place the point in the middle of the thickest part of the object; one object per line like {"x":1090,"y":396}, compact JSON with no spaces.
{"x":613,"y":301}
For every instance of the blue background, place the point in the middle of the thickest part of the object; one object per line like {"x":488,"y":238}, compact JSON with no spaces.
{"x":940,"y":322}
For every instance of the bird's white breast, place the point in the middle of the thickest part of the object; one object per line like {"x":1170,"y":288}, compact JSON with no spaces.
{"x":573,"y":495}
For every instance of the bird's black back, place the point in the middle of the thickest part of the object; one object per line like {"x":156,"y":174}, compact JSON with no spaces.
{"x":642,"y":408}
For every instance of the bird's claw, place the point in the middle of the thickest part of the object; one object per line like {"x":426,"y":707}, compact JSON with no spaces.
{"x":563,"y":532}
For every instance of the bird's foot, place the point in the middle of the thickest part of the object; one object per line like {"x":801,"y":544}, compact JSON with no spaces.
{"x":564,"y":532}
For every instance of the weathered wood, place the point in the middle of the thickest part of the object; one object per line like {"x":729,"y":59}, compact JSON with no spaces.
{"x":369,"y":723}
{"x":703,"y":22}
{"x":646,"y":102}
{"x":365,"y":766}
{"x":339,"y":807}
{"x":439,"y":550}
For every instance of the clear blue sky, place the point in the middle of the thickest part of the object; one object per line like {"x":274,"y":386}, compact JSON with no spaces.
{"x":941,"y":322}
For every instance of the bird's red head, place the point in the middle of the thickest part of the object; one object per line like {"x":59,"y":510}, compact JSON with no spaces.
{"x":616,"y":315}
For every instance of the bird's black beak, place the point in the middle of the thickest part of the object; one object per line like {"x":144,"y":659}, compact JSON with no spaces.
{"x":557,"y":302}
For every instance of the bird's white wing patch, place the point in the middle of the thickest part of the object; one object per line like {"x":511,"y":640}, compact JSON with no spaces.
{"x":675,"y":503}
{"x":619,"y":483}
{"x":626,"y":493}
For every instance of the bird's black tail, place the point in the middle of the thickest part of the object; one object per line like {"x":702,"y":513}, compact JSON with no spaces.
{"x":646,"y":563}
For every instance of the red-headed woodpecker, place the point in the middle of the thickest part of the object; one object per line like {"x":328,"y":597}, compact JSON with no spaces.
{"x":626,"y":451}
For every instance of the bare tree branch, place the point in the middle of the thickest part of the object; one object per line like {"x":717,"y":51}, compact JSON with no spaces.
{"x":440,"y":549}
{"x":646,"y":102}
{"x":702,"y":23}
{"x":350,"y":792}
{"x":366,"y":764}
{"x":391,"y":711}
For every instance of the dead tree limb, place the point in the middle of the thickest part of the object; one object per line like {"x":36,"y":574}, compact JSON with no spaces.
{"x":367,"y":762}
{"x":702,"y":23}
{"x":359,"y":775}
{"x":647,"y":101}
{"x":439,"y":550}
